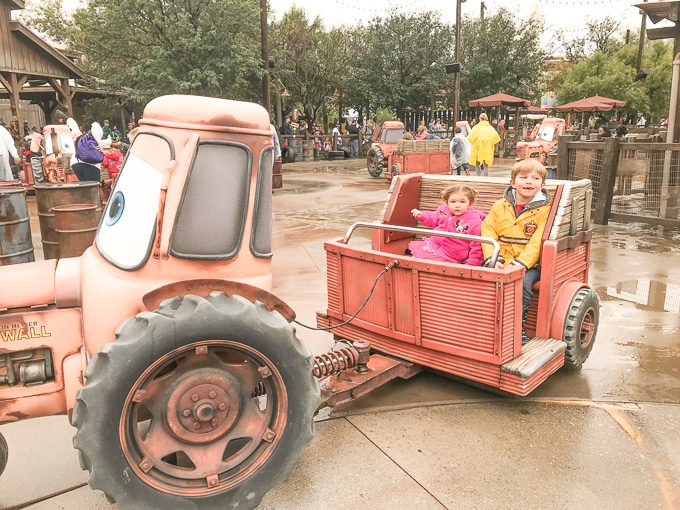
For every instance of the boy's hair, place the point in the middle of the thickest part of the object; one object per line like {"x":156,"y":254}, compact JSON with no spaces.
{"x":526,"y":166}
{"x":458,"y":129}
{"x":466,"y":190}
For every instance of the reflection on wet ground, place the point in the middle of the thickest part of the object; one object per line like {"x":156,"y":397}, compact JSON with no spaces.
{"x":638,"y":237}
{"x":652,"y":294}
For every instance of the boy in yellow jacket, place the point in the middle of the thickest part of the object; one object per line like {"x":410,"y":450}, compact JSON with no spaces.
{"x":517,"y":222}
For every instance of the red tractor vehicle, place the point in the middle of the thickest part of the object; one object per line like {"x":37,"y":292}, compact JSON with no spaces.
{"x":542,"y":139}
{"x":179,"y":368}
{"x":384,"y":141}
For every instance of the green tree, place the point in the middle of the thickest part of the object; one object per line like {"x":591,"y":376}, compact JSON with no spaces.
{"x":170,"y":46}
{"x":310,"y":61}
{"x":615,"y":76}
{"x":501,"y":55}
{"x":403,"y":58}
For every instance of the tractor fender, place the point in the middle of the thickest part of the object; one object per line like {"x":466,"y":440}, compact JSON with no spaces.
{"x":561,"y":304}
{"x":73,"y":368}
{"x":204,"y":287}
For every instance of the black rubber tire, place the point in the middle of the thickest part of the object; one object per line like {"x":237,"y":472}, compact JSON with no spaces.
{"x":395,"y":170}
{"x":129,"y":411}
{"x":375,"y":162}
{"x":4,"y":454}
{"x":335,"y":155}
{"x":580,"y":326}
{"x":287,"y":155}
{"x":347,"y":152}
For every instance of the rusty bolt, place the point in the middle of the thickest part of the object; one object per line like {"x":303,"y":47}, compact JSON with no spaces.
{"x":213,"y":422}
{"x":212,"y":394}
{"x":222,"y":406}
{"x":269,"y":435}
{"x":186,"y":413}
{"x":194,"y":397}
{"x":264,"y":371}
{"x":197,"y":425}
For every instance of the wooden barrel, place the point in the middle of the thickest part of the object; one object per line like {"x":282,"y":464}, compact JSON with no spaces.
{"x":308,"y":150}
{"x":16,"y":243}
{"x":76,"y":227}
{"x":52,"y":194}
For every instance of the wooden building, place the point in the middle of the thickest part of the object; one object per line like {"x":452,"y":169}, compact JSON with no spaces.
{"x":33,"y":70}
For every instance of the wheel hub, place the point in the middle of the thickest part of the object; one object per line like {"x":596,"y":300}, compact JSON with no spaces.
{"x":202,"y":407}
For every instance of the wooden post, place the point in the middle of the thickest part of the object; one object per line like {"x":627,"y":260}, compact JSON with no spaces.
{"x":563,"y":156}
{"x":605,"y":192}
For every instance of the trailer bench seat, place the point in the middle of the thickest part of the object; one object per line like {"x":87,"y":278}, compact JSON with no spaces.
{"x":423,"y":145}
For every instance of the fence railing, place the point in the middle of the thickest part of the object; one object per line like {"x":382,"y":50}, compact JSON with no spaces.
{"x":632,"y":181}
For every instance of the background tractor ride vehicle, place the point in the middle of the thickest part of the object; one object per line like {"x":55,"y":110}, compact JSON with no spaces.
{"x":542,"y":139}
{"x":383,"y":142}
{"x":182,"y":373}
{"x":422,"y":156}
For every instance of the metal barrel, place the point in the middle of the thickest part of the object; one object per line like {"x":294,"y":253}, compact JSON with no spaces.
{"x":76,"y":227}
{"x":52,"y":194}
{"x":16,"y":243}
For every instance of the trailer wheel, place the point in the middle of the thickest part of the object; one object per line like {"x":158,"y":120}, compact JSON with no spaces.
{"x":580,"y":326}
{"x":203,"y":403}
{"x":4,"y":453}
{"x":375,"y":162}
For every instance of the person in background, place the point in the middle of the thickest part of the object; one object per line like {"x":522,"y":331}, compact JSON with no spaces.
{"x":483,"y":138}
{"x":353,"y":131}
{"x":423,"y":134}
{"x":286,"y":128}
{"x":460,"y":150}
{"x":62,"y":118}
{"x":7,"y":149}
{"x":604,"y":131}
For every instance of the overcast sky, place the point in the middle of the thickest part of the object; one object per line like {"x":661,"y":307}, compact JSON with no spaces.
{"x":570,"y":15}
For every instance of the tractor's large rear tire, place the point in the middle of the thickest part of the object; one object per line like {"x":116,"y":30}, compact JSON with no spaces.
{"x":375,"y":162}
{"x":204,"y":403}
{"x":4,"y":453}
{"x":580,"y":327}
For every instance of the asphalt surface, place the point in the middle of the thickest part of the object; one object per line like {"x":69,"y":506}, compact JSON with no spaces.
{"x":605,"y":437}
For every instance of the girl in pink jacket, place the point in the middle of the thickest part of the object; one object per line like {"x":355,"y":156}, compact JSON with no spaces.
{"x":454,"y":215}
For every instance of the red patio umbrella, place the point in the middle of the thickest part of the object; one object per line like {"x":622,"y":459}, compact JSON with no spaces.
{"x":499,"y":99}
{"x":591,"y":104}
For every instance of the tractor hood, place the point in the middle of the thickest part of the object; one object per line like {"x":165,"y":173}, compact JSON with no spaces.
{"x":29,"y":284}
{"x":34,"y":284}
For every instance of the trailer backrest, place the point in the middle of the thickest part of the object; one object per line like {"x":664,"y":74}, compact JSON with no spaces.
{"x":570,"y":212}
{"x":423,"y":145}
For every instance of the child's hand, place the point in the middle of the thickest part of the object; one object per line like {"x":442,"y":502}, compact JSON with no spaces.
{"x":416,"y":213}
{"x":499,"y":265}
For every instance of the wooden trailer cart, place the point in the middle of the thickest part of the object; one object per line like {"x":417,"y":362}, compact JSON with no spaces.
{"x":464,"y":320}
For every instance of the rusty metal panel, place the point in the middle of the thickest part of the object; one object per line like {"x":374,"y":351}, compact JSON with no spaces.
{"x":472,"y":369}
{"x":405,"y":304}
{"x":333,"y":281}
{"x":355,"y":290}
{"x":457,"y":311}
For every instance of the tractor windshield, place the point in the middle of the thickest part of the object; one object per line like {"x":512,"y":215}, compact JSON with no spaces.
{"x":391,"y":135}
{"x":126,"y":232}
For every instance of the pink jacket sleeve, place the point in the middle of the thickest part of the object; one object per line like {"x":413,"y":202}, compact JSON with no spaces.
{"x":476,"y":256}
{"x":429,"y":218}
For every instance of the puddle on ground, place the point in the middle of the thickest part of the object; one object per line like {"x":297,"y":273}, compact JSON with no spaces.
{"x":638,"y":237}
{"x":293,"y":187}
{"x":648,"y":294}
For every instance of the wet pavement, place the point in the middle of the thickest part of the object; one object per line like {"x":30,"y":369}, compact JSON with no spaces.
{"x":604,"y":437}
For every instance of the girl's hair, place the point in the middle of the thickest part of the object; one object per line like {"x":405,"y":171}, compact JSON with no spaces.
{"x":459,"y":188}
{"x":408,"y":136}
{"x":421,"y":128}
{"x":483,"y":117}
{"x":526,"y":166}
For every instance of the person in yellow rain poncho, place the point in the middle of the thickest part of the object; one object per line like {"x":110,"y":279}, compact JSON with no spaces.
{"x":483,"y":137}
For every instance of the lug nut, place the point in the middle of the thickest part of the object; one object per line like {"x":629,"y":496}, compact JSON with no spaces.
{"x":194,"y":397}
{"x":212,"y":394}
{"x":186,"y":413}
